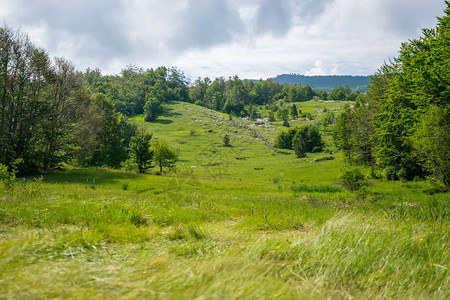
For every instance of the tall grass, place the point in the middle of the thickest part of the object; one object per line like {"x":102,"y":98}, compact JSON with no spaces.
{"x":267,"y":226}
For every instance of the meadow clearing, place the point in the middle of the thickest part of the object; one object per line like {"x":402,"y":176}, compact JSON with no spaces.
{"x":229,"y":222}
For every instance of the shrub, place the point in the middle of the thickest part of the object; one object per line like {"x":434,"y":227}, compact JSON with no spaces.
{"x":353,"y":179}
{"x":8,"y":177}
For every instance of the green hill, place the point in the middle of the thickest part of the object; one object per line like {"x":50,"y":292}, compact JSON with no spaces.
{"x":230,"y":222}
{"x":326,"y":83}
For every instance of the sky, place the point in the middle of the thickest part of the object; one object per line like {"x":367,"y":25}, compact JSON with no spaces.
{"x":249,"y":38}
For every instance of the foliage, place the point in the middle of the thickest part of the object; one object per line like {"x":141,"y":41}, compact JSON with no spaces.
{"x":343,"y":93}
{"x":329,"y":118}
{"x":284,"y":139}
{"x":431,"y":141}
{"x":308,"y":139}
{"x":272,"y":116}
{"x":234,"y":95}
{"x":141,"y":153}
{"x":8,"y":177}
{"x":153,"y":108}
{"x":226,"y":140}
{"x":43,"y":105}
{"x":283,"y":112}
{"x":164,"y":155}
{"x":421,"y":73}
{"x":400,"y":123}
{"x":110,"y":134}
{"x":299,"y":145}
{"x":294,"y":111}
{"x":353,"y":179}
{"x":132,"y":89}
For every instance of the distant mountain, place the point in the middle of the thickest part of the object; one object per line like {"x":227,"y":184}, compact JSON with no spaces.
{"x":326,"y":83}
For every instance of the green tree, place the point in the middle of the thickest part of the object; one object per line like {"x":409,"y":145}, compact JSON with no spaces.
{"x":294,"y":111}
{"x":226,"y":140}
{"x":42,"y":105}
{"x":153,"y":108}
{"x":110,"y":133}
{"x":343,"y":134}
{"x":431,"y":142}
{"x":283,"y":113}
{"x":271,"y":116}
{"x":164,"y":155}
{"x":310,"y":135}
{"x":299,"y":145}
{"x":140,"y":151}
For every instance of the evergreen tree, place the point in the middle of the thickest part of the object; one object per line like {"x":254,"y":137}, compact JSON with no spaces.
{"x":226,"y":140}
{"x":294,"y":111}
{"x":299,"y":145}
{"x":140,"y":150}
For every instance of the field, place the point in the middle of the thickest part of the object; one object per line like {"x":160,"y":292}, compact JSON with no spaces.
{"x":229,"y":222}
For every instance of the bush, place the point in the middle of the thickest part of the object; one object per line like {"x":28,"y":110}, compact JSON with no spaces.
{"x":353,"y":179}
{"x":310,"y":135}
{"x":8,"y":177}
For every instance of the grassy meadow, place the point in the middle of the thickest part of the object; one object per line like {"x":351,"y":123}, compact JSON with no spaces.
{"x":229,"y":222}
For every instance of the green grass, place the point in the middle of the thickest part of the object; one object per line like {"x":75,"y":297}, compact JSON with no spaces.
{"x":244,"y":223}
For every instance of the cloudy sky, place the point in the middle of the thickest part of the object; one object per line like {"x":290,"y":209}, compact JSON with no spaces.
{"x":250,"y":38}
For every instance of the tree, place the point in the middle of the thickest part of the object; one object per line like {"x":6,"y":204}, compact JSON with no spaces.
{"x":164,"y":155}
{"x":400,"y":123}
{"x":153,"y":109}
{"x":299,"y":145}
{"x":271,"y":116}
{"x":421,"y":76}
{"x":110,"y":132}
{"x":342,"y":134}
{"x":226,"y":140}
{"x":42,"y":105}
{"x":141,"y":153}
{"x":294,"y":111}
{"x":283,"y":113}
{"x":309,"y":134}
{"x":313,"y":138}
{"x":431,"y":141}
{"x":330,"y":118}
{"x":284,"y":139}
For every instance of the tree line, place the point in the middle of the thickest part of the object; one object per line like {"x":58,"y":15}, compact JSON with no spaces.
{"x":52,"y":114}
{"x":137,"y":91}
{"x":238,"y":97}
{"x":402,"y":124}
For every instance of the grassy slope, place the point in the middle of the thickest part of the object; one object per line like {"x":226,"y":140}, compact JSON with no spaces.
{"x":225,"y":231}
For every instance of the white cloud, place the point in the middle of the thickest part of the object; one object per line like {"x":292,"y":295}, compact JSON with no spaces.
{"x":251,"y":38}
{"x":321,"y":69}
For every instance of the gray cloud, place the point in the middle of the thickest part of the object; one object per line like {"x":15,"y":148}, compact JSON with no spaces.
{"x":403,"y":18}
{"x":308,"y":10}
{"x":251,"y":38}
{"x":274,"y":17}
{"x":93,"y":28}
{"x":279,"y":17}
{"x":205,"y":23}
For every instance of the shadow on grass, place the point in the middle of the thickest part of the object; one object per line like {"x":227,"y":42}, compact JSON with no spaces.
{"x":89,"y":176}
{"x":162,"y":121}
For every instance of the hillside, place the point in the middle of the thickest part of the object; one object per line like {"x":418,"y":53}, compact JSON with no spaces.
{"x":229,"y":222}
{"x":326,"y":83}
